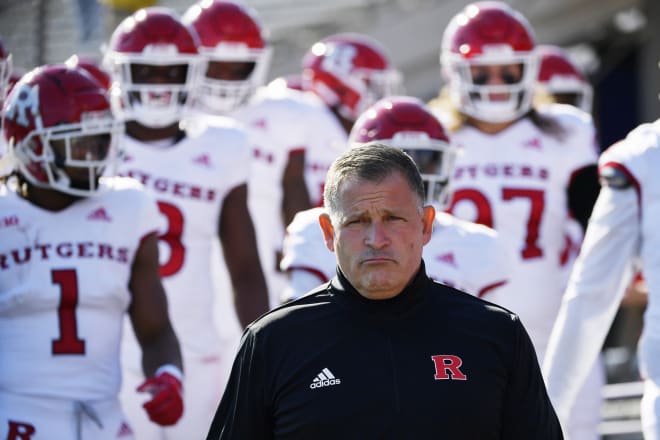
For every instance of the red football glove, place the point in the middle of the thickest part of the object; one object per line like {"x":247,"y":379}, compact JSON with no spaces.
{"x":166,"y":405}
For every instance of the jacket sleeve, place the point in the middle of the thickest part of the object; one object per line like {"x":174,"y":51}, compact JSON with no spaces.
{"x":528,"y":412}
{"x":242,"y":412}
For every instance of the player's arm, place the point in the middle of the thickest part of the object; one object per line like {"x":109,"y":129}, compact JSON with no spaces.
{"x":239,"y":247}
{"x":597,"y":283}
{"x":295,"y":195}
{"x":161,"y":356}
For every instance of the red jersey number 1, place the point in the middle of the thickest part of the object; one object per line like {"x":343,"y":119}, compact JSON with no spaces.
{"x":68,"y":342}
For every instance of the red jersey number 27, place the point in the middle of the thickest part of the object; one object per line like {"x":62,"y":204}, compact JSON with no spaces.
{"x":536,"y":199}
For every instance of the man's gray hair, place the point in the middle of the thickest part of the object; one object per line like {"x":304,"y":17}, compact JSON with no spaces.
{"x":373,"y":162}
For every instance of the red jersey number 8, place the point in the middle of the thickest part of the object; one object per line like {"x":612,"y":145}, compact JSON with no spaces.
{"x":172,"y":238}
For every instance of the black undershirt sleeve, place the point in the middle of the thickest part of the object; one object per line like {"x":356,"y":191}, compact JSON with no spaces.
{"x":582,"y":193}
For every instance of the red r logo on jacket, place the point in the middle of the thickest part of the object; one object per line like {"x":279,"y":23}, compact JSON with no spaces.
{"x":447,"y":367}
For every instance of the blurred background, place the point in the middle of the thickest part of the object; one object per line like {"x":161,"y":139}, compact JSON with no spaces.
{"x":616,"y":42}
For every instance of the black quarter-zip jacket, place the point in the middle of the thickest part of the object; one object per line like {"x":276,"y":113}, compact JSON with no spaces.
{"x":430,"y":363}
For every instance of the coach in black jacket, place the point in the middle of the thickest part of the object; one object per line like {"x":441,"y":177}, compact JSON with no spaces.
{"x":382,"y":351}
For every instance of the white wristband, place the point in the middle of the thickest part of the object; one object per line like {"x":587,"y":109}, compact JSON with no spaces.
{"x":171,"y":369}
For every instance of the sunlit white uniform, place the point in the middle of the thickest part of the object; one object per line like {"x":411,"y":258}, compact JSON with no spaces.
{"x":516,"y":181}
{"x":622,"y":236}
{"x":190,"y":180}
{"x":460,"y":254}
{"x":279,"y":121}
{"x":63,"y":297}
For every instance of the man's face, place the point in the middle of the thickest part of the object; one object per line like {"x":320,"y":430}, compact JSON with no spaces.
{"x":378,"y":235}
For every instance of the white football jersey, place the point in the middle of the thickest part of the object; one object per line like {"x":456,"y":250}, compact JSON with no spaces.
{"x":622,"y":233}
{"x":64,"y":289}
{"x":279,"y":121}
{"x":460,"y":254}
{"x":190,"y":181}
{"x":516,"y":182}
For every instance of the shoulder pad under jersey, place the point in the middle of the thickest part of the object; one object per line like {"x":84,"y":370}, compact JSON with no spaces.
{"x":614,"y":177}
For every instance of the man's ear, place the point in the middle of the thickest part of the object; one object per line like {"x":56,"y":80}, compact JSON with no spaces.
{"x":328,"y":231}
{"x":428,"y":215}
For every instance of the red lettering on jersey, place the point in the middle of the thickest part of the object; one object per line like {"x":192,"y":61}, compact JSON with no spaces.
{"x":44,"y":250}
{"x":196,"y":192}
{"x":11,"y":220}
{"x":161,"y":185}
{"x":105,"y":251}
{"x":210,"y":195}
{"x":178,"y":189}
{"x":500,"y":170}
{"x":122,"y":255}
{"x":447,"y":367}
{"x":20,"y":431}
{"x":84,"y":251}
{"x":64,"y":250}
{"x":25,"y":257}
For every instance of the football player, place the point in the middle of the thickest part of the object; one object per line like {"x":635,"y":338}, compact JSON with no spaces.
{"x":622,"y":237}
{"x":522,"y":170}
{"x":294,"y":136}
{"x":199,"y":178}
{"x":77,"y":253}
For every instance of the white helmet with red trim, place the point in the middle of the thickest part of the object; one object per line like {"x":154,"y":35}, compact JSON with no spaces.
{"x":489,"y":33}
{"x":153,"y":60}
{"x":235,"y":52}
{"x":349,"y":72}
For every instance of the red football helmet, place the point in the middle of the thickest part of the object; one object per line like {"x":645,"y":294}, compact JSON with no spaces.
{"x":60,"y":129}
{"x":236,"y":54}
{"x":152,"y":58}
{"x":484,"y":34}
{"x":91,"y":67}
{"x":561,"y":78}
{"x":349,"y":72}
{"x":406,"y":123}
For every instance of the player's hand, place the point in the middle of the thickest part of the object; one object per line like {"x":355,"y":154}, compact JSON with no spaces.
{"x":166,"y":405}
